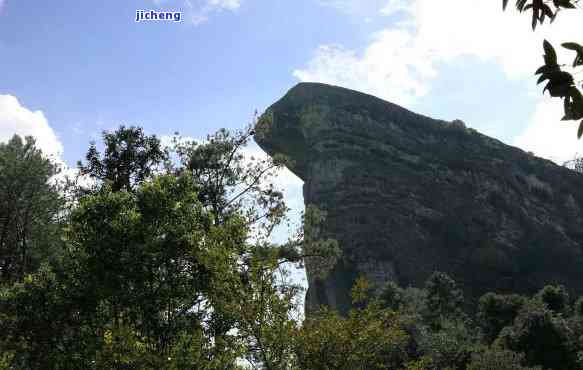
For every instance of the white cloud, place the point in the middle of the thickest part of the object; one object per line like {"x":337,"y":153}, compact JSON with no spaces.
{"x":358,"y":8}
{"x":285,"y":180}
{"x":343,"y":5}
{"x":390,"y":67}
{"x":395,"y":6}
{"x":225,"y":4}
{"x":549,"y":137}
{"x":400,"y":62}
{"x":200,"y":12}
{"x":77,"y":128}
{"x":17,"y":119}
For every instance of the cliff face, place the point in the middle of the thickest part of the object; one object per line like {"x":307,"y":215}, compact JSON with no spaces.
{"x":407,"y":195}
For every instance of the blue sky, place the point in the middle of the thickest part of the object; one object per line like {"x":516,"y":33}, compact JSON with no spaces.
{"x":71,"y":69}
{"x":89,"y":67}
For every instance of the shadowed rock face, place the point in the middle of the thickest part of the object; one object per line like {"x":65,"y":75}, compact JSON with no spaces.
{"x":407,"y":195}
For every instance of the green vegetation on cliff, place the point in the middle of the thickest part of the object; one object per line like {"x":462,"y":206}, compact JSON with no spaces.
{"x":407,"y":195}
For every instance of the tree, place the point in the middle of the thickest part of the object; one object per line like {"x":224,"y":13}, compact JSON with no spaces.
{"x":496,"y":311}
{"x":578,"y":307}
{"x":30,"y":206}
{"x":555,"y":297}
{"x":130,"y":158}
{"x":369,"y":338}
{"x":164,"y":267}
{"x":444,"y":298}
{"x":543,"y":336}
{"x":144,"y":255}
{"x":500,"y":360}
{"x":448,"y":345}
{"x":575,"y":164}
{"x":39,"y":328}
{"x":560,"y":83}
{"x":148,"y":273}
{"x":392,"y":296}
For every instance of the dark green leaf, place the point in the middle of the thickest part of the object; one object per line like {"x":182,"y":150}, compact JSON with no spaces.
{"x":578,"y":49}
{"x":559,"y":84}
{"x":567,"y":109}
{"x":567,"y":4}
{"x":550,"y":54}
{"x":572,"y":46}
{"x":576,"y":106}
{"x":547,"y":11}
{"x":520,"y":5}
{"x":547,"y":69}
{"x":576,"y":96}
{"x":534,"y":19}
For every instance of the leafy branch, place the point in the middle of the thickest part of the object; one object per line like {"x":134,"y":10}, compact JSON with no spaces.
{"x":561,"y":84}
{"x":542,"y":9}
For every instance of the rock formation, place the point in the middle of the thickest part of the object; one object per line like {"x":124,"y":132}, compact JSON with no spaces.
{"x":407,"y":195}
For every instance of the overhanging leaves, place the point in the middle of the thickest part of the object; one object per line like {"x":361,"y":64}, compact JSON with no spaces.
{"x":578,"y":49}
{"x":561,"y":83}
{"x":541,"y":10}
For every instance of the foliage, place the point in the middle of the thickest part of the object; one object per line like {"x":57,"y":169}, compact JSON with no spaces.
{"x":361,"y":291}
{"x":444,"y":299}
{"x":514,"y":332}
{"x":130,"y":157}
{"x":369,"y":338}
{"x":541,"y":10}
{"x":545,"y":338}
{"x":30,"y":208}
{"x":499,"y":359}
{"x":392,"y":296}
{"x":496,"y":311}
{"x":578,"y":307}
{"x":230,"y":180}
{"x":165,"y":264}
{"x":177,"y":270}
{"x":555,"y":298}
{"x":145,"y":256}
{"x":560,"y":83}
{"x":38,"y":328}
{"x":450,"y":346}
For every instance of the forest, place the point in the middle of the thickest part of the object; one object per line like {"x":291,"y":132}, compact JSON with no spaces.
{"x":160,"y":257}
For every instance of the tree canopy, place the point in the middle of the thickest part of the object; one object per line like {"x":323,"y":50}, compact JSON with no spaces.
{"x":176,"y":269}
